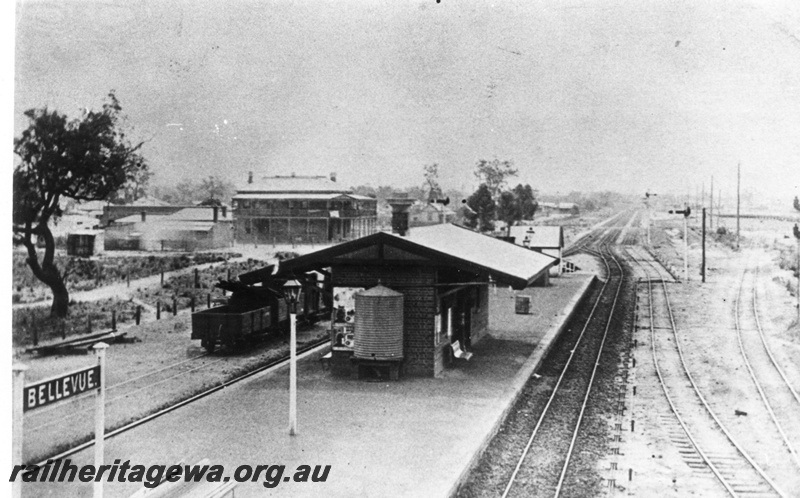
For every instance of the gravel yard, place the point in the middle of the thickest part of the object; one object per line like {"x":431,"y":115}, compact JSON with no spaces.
{"x":704,"y":315}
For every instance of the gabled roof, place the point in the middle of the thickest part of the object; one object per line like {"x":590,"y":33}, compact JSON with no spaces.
{"x":538,"y":236}
{"x":190,"y":214}
{"x":299,"y":196}
{"x":293,"y":184}
{"x":200,"y":213}
{"x":430,"y":206}
{"x":448,"y":245}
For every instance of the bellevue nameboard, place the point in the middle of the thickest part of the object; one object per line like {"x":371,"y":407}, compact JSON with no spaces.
{"x":72,"y":384}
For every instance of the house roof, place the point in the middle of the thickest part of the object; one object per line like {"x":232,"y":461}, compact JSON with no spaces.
{"x":538,"y":236}
{"x":298,"y":195}
{"x":204,"y":213}
{"x":296,"y":184}
{"x":558,"y":205}
{"x":189,"y":214}
{"x":431,"y":206}
{"x":447,"y":244}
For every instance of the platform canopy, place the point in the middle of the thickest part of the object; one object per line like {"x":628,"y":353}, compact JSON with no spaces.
{"x":441,"y":245}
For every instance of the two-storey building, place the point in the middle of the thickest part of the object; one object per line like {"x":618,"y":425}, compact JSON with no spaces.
{"x":300,"y":209}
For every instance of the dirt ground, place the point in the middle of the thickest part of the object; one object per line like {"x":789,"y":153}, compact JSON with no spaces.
{"x":704,"y":315}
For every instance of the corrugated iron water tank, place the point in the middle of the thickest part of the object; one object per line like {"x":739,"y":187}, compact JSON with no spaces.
{"x":379,"y":324}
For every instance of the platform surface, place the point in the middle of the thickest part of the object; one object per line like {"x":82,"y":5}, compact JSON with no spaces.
{"x":415,"y":437}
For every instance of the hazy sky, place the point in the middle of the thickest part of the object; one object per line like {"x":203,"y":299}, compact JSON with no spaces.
{"x":622,"y":95}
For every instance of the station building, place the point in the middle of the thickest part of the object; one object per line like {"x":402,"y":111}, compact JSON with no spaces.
{"x":441,"y":275}
{"x":301,"y":209}
{"x":544,"y":239}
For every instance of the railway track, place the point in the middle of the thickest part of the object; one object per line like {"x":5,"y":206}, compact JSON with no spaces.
{"x":775,"y":391}
{"x":276,"y":363}
{"x":544,"y":464}
{"x":562,"y":416}
{"x":708,"y":444}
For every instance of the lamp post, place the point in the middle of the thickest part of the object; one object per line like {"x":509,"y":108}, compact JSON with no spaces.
{"x":291,"y":291}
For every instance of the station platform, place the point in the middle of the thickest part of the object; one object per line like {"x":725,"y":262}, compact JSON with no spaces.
{"x":414,"y":437}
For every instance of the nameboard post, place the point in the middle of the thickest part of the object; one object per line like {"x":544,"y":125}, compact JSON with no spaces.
{"x":18,"y":386}
{"x":100,"y":416}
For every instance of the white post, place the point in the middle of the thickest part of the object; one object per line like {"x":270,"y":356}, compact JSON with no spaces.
{"x":18,"y":388}
{"x":100,"y":416}
{"x":685,"y":248}
{"x":293,"y":371}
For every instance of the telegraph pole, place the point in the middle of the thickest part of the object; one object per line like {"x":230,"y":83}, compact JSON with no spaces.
{"x":703,"y":263}
{"x":711,"y":213}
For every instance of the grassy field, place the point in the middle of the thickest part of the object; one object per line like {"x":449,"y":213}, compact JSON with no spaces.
{"x":181,"y":289}
{"x":84,"y":318}
{"x":86,"y":274}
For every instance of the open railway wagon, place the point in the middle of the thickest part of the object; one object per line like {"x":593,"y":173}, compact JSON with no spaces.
{"x":256,"y":308}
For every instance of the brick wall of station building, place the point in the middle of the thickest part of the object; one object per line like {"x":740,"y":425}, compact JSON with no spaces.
{"x":418,"y":307}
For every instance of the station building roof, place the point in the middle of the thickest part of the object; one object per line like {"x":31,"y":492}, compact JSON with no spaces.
{"x":538,"y":236}
{"x":446,"y":244}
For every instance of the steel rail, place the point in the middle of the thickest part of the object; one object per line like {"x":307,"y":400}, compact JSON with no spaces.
{"x":555,"y":392}
{"x":717,"y":473}
{"x":604,"y":233}
{"x":766,"y":344}
{"x":752,"y":373}
{"x":90,"y":394}
{"x":711,"y":412}
{"x":274,"y":363}
{"x":563,"y":474}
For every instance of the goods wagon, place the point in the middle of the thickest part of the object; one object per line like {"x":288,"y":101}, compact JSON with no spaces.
{"x":253,"y":311}
{"x":229,"y":325}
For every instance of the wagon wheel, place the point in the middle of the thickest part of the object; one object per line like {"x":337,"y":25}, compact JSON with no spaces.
{"x":209,"y":345}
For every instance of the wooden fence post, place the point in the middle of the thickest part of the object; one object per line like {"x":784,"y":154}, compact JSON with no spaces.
{"x":114,"y":320}
{"x":174,"y":305}
{"x":138,"y":314}
{"x":209,"y":301}
{"x":191,"y":303}
{"x":162,"y":278}
{"x":196,"y":278}
{"x":158,"y":310}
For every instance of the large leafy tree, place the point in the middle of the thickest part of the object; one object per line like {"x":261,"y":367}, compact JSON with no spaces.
{"x":528,"y":205}
{"x":215,"y":188}
{"x":482,"y":208}
{"x":494,"y":174}
{"x":509,"y":210}
{"x":87,"y":158}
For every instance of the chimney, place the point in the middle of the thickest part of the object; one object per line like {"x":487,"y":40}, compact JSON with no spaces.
{"x":400,"y":204}
{"x":144,"y":216}
{"x":250,"y":177}
{"x":224,"y":211}
{"x":333,"y":176}
{"x":216,"y":214}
